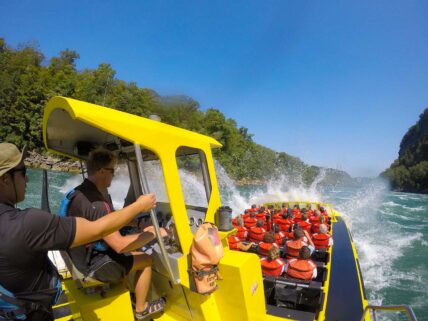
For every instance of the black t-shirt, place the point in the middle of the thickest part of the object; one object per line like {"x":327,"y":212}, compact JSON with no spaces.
{"x":26,"y":236}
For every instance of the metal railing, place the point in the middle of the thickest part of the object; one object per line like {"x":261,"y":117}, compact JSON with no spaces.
{"x":395,"y":308}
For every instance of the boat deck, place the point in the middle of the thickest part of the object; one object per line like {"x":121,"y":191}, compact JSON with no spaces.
{"x":344,"y":296}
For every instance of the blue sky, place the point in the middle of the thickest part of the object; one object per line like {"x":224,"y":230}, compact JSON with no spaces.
{"x":335,"y":83}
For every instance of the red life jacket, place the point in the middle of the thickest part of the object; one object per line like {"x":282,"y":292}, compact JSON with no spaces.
{"x":310,"y":212}
{"x":233,"y":242}
{"x":321,"y":241}
{"x":316,"y":227}
{"x":293,"y":247}
{"x":265,"y":247}
{"x":272,"y":268}
{"x":297,"y":217}
{"x":305,"y":226}
{"x":235,"y":222}
{"x":277,"y":217}
{"x":267,"y":225}
{"x":242,"y":233}
{"x":254,"y":210}
{"x":261,"y":216}
{"x":314,"y":219}
{"x":295,"y":211}
{"x":301,"y":269}
{"x":284,"y":224}
{"x":256,"y":234}
{"x":279,"y":237}
{"x":250,"y":222}
{"x":245,"y":216}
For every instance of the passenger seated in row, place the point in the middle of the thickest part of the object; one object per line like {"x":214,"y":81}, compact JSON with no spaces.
{"x":267,"y":243}
{"x":322,"y":240}
{"x":256,"y":233}
{"x":304,"y":223}
{"x":236,"y":244}
{"x":279,"y":235}
{"x":316,"y":224}
{"x":301,"y":267}
{"x":251,"y":220}
{"x":301,"y":238}
{"x":242,"y":232}
{"x":272,"y":265}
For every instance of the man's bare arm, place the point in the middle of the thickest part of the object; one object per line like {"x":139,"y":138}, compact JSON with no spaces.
{"x":90,"y":231}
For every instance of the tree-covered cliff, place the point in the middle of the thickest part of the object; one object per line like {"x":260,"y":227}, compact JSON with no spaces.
{"x":409,"y":173}
{"x":28,"y":81}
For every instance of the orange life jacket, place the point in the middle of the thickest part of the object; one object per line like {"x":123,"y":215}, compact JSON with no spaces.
{"x":293,"y":247}
{"x":242,"y":233}
{"x":272,"y":268}
{"x":305,"y":226}
{"x":284,"y":224}
{"x":321,"y":241}
{"x":233,"y":242}
{"x":265,"y":247}
{"x":300,"y":269}
{"x":314,"y":219}
{"x":256,"y":234}
{"x":261,"y":216}
{"x":297,"y":217}
{"x":295,"y":211}
{"x":279,"y":237}
{"x":250,"y":222}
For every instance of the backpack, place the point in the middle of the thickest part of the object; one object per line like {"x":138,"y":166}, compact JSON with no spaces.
{"x":100,"y":245}
{"x":206,"y":252}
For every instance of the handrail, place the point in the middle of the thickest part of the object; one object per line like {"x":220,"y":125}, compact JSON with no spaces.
{"x":400,"y":308}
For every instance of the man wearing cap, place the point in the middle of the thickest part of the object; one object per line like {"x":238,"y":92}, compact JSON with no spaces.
{"x":27,"y":235}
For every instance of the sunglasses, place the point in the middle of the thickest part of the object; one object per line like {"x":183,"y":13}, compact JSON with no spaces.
{"x":23,"y":170}
{"x":111,"y":170}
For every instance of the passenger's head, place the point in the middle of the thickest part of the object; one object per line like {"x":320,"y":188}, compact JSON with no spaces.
{"x":283,"y":205}
{"x":273,"y":253}
{"x":261,"y":211}
{"x":259,"y":223}
{"x":246,"y":211}
{"x":262,"y":208}
{"x":253,"y":206}
{"x":296,"y":206}
{"x":277,"y":229}
{"x":269,"y":237}
{"x":101,"y":166}
{"x":304,"y":210}
{"x":317,"y":213}
{"x":253,"y":214}
{"x":304,"y":217}
{"x":322,"y":219}
{"x":304,"y":253}
{"x":270,"y":207}
{"x":298,"y":233}
{"x":13,"y":178}
{"x":240,"y":221}
{"x":323,"y":229}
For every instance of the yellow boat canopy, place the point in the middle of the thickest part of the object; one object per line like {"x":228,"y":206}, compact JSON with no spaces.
{"x":66,"y":122}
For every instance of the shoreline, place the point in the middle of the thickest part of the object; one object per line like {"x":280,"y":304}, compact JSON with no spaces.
{"x":53,"y":163}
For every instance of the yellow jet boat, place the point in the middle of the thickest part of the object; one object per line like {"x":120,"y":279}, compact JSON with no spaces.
{"x":155,"y":153}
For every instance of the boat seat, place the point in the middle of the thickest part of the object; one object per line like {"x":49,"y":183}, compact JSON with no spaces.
{"x":321,"y":255}
{"x":87,"y":284}
{"x":300,"y":298}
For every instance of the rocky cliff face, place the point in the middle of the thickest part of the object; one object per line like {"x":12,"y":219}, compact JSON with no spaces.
{"x":409,"y":173}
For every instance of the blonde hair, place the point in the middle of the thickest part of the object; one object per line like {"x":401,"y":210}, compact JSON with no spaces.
{"x":273,"y":253}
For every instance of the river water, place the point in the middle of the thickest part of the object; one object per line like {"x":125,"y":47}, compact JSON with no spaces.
{"x":390,"y":229}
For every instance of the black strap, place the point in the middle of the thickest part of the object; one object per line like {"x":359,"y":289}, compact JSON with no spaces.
{"x":24,"y":307}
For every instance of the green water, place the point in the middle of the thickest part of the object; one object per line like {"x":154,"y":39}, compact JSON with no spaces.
{"x":390,"y":230}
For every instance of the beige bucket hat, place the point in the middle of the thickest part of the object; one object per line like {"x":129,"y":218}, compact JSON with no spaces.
{"x":10,"y":157}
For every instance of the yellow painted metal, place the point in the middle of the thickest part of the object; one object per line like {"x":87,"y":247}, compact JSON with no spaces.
{"x":115,"y":305}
